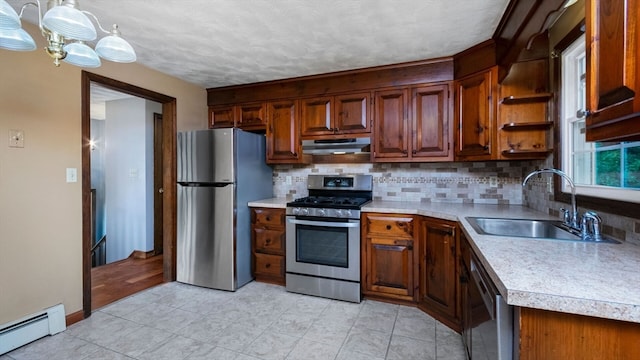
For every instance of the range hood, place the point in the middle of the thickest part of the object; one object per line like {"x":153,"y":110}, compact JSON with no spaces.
{"x":337,"y":146}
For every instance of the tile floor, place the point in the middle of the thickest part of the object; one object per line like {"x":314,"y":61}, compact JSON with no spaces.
{"x":259,"y":321}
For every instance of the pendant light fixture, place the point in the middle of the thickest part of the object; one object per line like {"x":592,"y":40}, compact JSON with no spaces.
{"x":66,"y":29}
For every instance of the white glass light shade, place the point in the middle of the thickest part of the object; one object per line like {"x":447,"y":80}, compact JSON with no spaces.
{"x":17,"y":40}
{"x":79,"y":54}
{"x":9,"y":19}
{"x":70,"y":23}
{"x":114,"y":48}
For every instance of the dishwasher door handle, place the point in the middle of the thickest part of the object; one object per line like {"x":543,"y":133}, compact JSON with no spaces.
{"x":488,"y":296}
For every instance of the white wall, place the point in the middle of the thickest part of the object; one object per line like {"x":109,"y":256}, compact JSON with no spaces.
{"x":97,"y":175}
{"x":129,"y":176}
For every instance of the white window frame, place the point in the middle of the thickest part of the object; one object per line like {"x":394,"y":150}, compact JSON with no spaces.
{"x":570,"y":103}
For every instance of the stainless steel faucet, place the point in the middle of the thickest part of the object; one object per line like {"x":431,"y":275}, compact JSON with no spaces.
{"x":591,"y":226}
{"x":573,"y":222}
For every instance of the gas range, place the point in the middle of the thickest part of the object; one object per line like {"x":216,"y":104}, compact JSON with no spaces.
{"x":323,"y":237}
{"x":333,"y":196}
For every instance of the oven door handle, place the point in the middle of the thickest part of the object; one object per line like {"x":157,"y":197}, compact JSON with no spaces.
{"x":323,"y":223}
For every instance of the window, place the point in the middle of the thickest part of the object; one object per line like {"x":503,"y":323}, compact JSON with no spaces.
{"x":605,"y":170}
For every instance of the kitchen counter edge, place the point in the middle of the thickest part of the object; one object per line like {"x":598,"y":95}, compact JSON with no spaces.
{"x":579,"y":278}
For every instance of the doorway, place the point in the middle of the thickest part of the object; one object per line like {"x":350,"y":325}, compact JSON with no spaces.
{"x":165,"y":127}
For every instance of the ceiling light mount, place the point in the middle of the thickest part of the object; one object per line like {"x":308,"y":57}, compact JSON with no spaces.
{"x":66,"y":28}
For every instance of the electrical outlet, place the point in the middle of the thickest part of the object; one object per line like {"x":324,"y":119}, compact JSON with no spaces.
{"x":493,"y":181}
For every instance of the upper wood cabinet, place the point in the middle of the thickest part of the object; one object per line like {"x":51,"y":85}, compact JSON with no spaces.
{"x":431,"y":130}
{"x":222,"y":116}
{"x":438,"y":251}
{"x":413,"y":124}
{"x":335,"y":115}
{"x":613,"y":74}
{"x":283,"y":138}
{"x":251,"y":116}
{"x":391,"y":125}
{"x":475,"y":115}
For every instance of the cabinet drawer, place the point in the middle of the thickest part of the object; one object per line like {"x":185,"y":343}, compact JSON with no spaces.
{"x":390,"y":226}
{"x":268,"y":217}
{"x":269,"y":265}
{"x":269,"y":241}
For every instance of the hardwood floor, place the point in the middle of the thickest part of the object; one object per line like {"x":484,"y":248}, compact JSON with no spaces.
{"x":112,"y":282}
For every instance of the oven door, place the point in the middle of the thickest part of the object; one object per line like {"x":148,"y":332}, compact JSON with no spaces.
{"x":324,"y":247}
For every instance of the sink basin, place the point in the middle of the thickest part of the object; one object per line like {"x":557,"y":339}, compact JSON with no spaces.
{"x":527,"y":228}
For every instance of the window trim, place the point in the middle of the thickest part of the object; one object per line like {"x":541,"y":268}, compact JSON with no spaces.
{"x":610,"y":206}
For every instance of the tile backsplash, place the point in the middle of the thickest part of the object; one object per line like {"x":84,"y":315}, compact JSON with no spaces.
{"x":492,"y":182}
{"x":479,"y":182}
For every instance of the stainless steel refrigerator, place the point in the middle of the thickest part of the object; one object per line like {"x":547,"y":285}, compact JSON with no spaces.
{"x":219,"y":172}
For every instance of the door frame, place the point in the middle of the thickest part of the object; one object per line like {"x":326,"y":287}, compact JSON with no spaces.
{"x":169,"y":129}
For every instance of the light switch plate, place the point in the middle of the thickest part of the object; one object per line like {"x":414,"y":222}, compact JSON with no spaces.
{"x":16,"y":138}
{"x":72,"y":175}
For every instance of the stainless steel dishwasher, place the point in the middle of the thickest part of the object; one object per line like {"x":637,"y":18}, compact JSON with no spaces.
{"x":492,"y":325}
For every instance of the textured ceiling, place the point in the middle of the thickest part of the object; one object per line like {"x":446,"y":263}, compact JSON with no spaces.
{"x":216,"y":43}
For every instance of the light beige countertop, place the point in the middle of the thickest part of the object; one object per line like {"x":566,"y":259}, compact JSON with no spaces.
{"x":278,"y":203}
{"x":566,"y":276}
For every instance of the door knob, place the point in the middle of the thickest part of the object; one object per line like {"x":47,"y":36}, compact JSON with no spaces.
{"x":161,"y":190}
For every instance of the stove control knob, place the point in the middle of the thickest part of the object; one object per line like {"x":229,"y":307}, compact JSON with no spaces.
{"x":347,"y":213}
{"x":304,"y":211}
{"x":338,"y":212}
{"x":322,"y":212}
{"x":295,"y":211}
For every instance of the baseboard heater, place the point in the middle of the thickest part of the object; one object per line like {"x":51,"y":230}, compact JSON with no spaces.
{"x":33,"y":327}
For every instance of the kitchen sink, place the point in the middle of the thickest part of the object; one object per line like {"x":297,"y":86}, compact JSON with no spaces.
{"x":528,"y":228}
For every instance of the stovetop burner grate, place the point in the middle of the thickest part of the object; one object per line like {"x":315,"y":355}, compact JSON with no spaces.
{"x":329,"y":201}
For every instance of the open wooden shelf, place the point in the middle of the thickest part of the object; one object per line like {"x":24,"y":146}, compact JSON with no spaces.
{"x":523,"y":99}
{"x":528,"y":153}
{"x":541,"y":125}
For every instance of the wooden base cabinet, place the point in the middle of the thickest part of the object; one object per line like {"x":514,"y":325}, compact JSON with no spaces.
{"x":268,"y":244}
{"x":388,"y":256}
{"x":437,"y":262}
{"x":554,"y":335}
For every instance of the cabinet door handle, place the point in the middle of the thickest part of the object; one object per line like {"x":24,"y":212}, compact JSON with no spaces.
{"x":388,"y":227}
{"x":267,"y":266}
{"x":268,"y":241}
